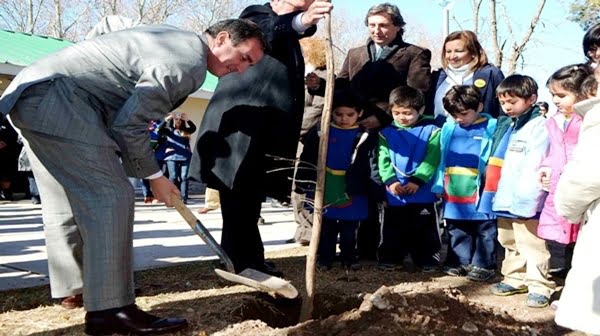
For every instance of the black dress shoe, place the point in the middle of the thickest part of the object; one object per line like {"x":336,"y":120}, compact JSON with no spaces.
{"x":269,"y":268}
{"x":130,"y":320}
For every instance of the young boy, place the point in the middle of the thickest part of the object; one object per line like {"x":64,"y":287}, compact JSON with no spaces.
{"x":466,"y":143}
{"x":520,"y":142}
{"x":409,"y":153}
{"x":348,"y":183}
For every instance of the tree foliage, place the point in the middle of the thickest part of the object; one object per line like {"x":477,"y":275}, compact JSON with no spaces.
{"x":585,"y":12}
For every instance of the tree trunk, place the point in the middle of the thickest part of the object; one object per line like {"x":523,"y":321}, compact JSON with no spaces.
{"x":307,"y":303}
{"x":30,"y":24}
{"x":476,"y":4}
{"x":498,"y":52}
{"x":57,"y":26}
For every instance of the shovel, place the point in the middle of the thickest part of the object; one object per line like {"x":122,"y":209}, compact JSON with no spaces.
{"x":248,"y":277}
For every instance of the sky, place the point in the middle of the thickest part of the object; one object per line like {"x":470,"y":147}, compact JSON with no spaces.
{"x":556,"y":42}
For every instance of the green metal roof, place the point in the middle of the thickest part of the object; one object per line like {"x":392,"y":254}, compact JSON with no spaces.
{"x":23,"y":49}
{"x":210,"y":83}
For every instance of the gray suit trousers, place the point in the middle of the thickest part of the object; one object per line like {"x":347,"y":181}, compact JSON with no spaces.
{"x":87,"y":207}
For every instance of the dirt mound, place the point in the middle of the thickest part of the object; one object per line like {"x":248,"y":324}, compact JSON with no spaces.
{"x":405,"y":309}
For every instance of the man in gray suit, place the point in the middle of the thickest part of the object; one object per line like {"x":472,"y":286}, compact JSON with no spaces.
{"x":84,"y":112}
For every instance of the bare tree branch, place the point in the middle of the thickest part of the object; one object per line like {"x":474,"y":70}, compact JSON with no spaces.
{"x":517,"y":49}
{"x":476,"y":6}
{"x":21,"y":15}
{"x":457,"y":22}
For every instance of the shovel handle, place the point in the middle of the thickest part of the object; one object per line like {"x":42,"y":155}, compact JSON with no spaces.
{"x":201,"y":231}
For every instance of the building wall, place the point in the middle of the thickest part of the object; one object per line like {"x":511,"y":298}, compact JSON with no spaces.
{"x":194,"y":108}
{"x":4,"y":81}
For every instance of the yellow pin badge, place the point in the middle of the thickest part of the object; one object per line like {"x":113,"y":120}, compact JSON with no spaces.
{"x":480,"y":83}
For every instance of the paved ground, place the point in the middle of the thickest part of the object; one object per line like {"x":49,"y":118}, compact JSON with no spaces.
{"x":161,"y":238}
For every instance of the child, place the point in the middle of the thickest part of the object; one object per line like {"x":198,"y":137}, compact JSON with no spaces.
{"x":563,"y":130}
{"x":466,"y":143}
{"x":577,"y":195}
{"x":350,"y":159}
{"x":520,"y":142}
{"x":543,"y":108}
{"x":589,"y":87}
{"x":409,"y":153}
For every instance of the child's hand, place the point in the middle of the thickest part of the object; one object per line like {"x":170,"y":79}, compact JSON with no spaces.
{"x":411,"y":188}
{"x":544,"y":175}
{"x":396,"y":188}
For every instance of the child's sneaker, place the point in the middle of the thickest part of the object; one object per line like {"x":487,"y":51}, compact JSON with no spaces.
{"x":388,"y":267}
{"x":457,"y":271}
{"x":537,"y":300}
{"x":504,"y":289}
{"x":480,"y":274}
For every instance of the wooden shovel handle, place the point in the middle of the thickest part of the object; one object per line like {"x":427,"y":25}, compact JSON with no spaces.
{"x":201,"y":231}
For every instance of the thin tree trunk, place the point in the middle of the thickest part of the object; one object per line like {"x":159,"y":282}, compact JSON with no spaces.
{"x":58,"y":33}
{"x":476,"y":7}
{"x":307,"y":304}
{"x":30,"y":16}
{"x":494,"y":26}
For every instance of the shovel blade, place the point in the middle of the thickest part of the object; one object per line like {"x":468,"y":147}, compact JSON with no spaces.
{"x":261,"y":281}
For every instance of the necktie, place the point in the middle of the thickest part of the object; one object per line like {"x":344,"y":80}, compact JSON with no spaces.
{"x":378,"y":53}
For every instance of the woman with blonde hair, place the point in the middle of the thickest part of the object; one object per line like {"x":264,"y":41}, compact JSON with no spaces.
{"x":464,"y":62}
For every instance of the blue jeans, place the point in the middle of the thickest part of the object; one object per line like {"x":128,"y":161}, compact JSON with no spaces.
{"x":472,"y":242}
{"x":178,"y":174}
{"x":33,"y":190}
{"x":146,"y":190}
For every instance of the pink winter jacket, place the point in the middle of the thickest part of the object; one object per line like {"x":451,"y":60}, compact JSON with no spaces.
{"x":562,"y":144}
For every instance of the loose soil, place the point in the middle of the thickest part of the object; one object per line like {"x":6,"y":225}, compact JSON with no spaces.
{"x":364,"y":302}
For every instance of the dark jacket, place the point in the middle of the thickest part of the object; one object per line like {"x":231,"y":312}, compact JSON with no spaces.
{"x":10,"y":153}
{"x":486,"y":79}
{"x":177,"y":146}
{"x":256,"y":115}
{"x":373,"y":80}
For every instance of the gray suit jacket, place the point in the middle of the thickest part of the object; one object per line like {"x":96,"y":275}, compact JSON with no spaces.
{"x":111,"y":87}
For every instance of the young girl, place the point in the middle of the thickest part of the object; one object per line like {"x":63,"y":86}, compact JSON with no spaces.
{"x":577,"y":195}
{"x":563,"y":131}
